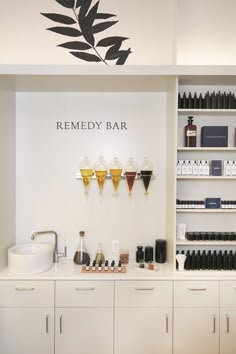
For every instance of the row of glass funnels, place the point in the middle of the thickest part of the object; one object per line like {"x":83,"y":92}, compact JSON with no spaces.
{"x":101,"y":169}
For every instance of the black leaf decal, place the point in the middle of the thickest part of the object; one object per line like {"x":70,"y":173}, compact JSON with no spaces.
{"x":102,"y":16}
{"x":122,"y":59}
{"x":106,"y":42}
{"x":78,"y":3}
{"x":102,"y":26}
{"x":67,"y":3}
{"x":83,"y":23}
{"x":86,"y":56}
{"x":75,"y":45}
{"x":89,"y":37}
{"x":113,"y":53}
{"x":67,"y":31}
{"x":87,"y":22}
{"x":66,"y":20}
{"x":84,"y":8}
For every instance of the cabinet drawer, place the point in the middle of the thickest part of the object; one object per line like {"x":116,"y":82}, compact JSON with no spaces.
{"x":84,"y":293}
{"x":227,"y":293}
{"x":196,"y":293}
{"x":143,"y":294}
{"x":26,"y":293}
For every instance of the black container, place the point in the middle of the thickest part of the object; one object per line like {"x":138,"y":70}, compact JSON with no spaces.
{"x":148,"y":254}
{"x":160,"y":251}
{"x":139,"y":254}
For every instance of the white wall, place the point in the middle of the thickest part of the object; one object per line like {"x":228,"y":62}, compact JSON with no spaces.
{"x":206,"y":32}
{"x":25,"y":40}
{"x":48,"y":195}
{"x":7,"y":163}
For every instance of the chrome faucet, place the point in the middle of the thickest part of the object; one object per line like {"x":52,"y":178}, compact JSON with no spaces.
{"x":56,"y":254}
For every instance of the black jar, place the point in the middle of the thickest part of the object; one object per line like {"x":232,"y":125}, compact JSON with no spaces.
{"x":148,"y":254}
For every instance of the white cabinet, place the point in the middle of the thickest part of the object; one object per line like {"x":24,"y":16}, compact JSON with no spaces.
{"x":143,"y":317}
{"x":84,"y":317}
{"x":196,"y":317}
{"x":227,"y":317}
{"x":26,"y":317}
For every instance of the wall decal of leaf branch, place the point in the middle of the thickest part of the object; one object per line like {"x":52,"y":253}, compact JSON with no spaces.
{"x":84,"y":18}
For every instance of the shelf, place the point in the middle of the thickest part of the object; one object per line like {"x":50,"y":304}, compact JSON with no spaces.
{"x":208,"y":112}
{"x":210,"y":149}
{"x":205,"y":243}
{"x":206,"y":210}
{"x":217,"y":178}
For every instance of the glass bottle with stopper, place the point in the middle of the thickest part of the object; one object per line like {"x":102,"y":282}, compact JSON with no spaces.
{"x":81,"y":255}
{"x":100,"y":168}
{"x":115,"y":171}
{"x":100,"y":255}
{"x":86,"y":171}
{"x":146,"y":171}
{"x":130,"y":173}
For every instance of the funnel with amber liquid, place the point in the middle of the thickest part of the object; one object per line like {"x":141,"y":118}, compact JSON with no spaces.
{"x":100,"y":168}
{"x":86,"y":171}
{"x":116,"y":171}
{"x":146,"y":173}
{"x":130,"y":173}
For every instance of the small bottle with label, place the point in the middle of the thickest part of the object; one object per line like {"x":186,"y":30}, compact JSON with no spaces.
{"x":190,"y":132}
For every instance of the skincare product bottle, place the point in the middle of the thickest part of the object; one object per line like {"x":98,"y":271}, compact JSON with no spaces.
{"x":81,"y":255}
{"x":139,"y":254}
{"x":190,"y":132}
{"x":181,"y":260}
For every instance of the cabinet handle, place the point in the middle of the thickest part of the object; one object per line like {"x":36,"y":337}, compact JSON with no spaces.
{"x":47,"y":324}
{"x":61,"y":324}
{"x":144,"y":289}
{"x":24,"y":289}
{"x":84,"y":289}
{"x":197,"y":289}
{"x":214,"y":324}
{"x":227,"y":323}
{"x":167,"y":323}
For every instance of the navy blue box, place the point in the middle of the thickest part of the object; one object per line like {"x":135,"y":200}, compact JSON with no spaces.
{"x":212,"y":203}
{"x":214,"y":136}
{"x":216,"y":167}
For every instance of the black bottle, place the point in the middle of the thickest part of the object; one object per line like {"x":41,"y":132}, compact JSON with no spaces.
{"x":184,"y":101}
{"x":179,"y":101}
{"x":148,"y":253}
{"x":219,"y":261}
{"x":193,"y":260}
{"x":209,"y":260}
{"x":207,"y":100}
{"x":230,"y":260}
{"x":234,"y":261}
{"x":204,"y":260}
{"x":139,"y":254}
{"x":195,"y":101}
{"x":214,"y":260}
{"x":198,"y":260}
{"x":201,"y":103}
{"x":190,"y":101}
{"x":225,"y":260}
{"x":187,"y":263}
{"x":213,"y":100}
{"x":219,"y":100}
{"x":177,"y":263}
{"x":224,"y":101}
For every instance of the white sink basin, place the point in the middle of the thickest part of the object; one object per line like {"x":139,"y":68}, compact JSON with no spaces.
{"x":30,"y":258}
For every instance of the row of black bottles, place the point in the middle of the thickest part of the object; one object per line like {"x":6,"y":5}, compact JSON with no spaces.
{"x":208,"y":101}
{"x":197,"y":260}
{"x":210,"y":236}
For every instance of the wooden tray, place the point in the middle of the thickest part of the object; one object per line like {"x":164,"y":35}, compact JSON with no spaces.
{"x":103,"y":271}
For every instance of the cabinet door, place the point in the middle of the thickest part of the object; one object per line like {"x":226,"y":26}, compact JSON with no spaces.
{"x":227,"y":330}
{"x":196,"y":330}
{"x":84,"y":331}
{"x":26,"y":331}
{"x":143,"y":330}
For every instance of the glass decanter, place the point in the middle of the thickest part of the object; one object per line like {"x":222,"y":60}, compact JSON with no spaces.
{"x":100,"y":168}
{"x":86,"y":171}
{"x":130,"y":173}
{"x":115,"y":171}
{"x":146,"y":171}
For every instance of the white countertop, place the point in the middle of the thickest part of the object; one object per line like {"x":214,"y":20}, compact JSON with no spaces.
{"x":67,"y":270}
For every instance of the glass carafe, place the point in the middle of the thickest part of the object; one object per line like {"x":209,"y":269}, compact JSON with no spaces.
{"x":130,"y":173}
{"x":86,"y":171}
{"x":146,"y":171}
{"x":115,"y":171}
{"x":100,"y":255}
{"x":81,"y":255}
{"x":100,"y":168}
